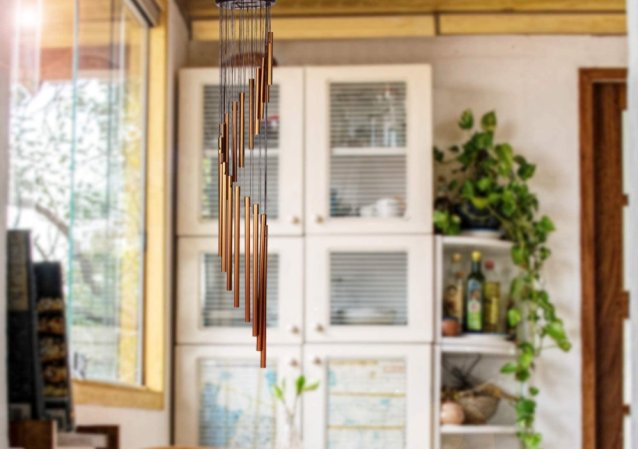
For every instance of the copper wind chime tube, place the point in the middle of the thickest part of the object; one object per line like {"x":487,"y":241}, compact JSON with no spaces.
{"x":246,"y":75}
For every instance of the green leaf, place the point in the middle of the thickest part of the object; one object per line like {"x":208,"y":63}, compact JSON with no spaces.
{"x":546,"y":224}
{"x":467,"y":190}
{"x":519,"y":255}
{"x":533,"y":391}
{"x":509,"y":368}
{"x":311,"y":387}
{"x":513,"y":316}
{"x":438,"y":155}
{"x":484,"y":184}
{"x":479,"y":202}
{"x":278,"y":392}
{"x":526,"y":171}
{"x":488,"y":121}
{"x":504,"y":154}
{"x":467,"y":120}
{"x":300,"y":384}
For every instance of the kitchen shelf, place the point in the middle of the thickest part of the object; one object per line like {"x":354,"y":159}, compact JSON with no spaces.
{"x":476,"y":242}
{"x":478,"y":430}
{"x":477,"y":344}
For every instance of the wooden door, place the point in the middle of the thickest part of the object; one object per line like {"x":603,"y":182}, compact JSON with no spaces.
{"x":605,"y":301}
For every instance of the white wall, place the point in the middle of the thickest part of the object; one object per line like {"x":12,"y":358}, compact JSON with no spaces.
{"x":145,"y":428}
{"x":532,"y":82}
{"x":6,"y":29}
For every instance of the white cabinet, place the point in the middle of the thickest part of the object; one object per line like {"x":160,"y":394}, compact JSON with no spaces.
{"x":369,"y":288}
{"x":205,"y":312}
{"x":368,"y":149}
{"x":372,"y":397}
{"x":350,"y":271}
{"x":223,"y":399}
{"x":197,"y":155}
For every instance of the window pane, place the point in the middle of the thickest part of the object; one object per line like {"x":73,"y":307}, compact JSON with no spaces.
{"x":107,"y":262}
{"x":77,"y":169}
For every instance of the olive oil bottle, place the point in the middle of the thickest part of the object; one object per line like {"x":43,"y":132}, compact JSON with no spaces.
{"x":491,"y":301}
{"x":473,"y":322}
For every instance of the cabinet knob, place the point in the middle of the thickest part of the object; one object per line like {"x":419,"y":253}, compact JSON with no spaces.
{"x":316,"y":360}
{"x":318,"y":219}
{"x":319,"y":327}
{"x":293,"y":362}
{"x":295,"y":220}
{"x":293,"y":329}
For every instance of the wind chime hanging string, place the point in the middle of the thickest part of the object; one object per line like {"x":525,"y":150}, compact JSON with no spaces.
{"x":246,"y":62}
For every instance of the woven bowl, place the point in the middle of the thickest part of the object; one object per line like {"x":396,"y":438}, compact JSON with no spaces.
{"x":478,"y":408}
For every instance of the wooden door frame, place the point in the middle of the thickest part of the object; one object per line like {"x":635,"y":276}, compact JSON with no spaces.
{"x":589,"y":77}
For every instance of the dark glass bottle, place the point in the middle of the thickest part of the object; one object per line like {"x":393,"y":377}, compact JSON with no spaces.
{"x":473,"y":321}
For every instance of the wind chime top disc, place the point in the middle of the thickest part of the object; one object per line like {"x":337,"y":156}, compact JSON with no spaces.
{"x":244,"y":4}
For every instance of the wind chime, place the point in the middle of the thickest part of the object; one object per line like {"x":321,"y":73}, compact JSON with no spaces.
{"x":246,"y":61}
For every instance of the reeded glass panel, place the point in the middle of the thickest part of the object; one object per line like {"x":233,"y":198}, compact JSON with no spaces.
{"x":369,"y":288}
{"x":368,"y":115}
{"x":209,"y":204}
{"x":367,"y":403}
{"x":368,"y":149}
{"x":218,"y":309}
{"x":237,"y":410}
{"x":367,"y":186}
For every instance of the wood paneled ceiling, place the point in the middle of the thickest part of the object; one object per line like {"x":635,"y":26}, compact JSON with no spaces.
{"x":337,"y":19}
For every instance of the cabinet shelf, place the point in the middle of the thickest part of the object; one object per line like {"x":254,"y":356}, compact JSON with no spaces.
{"x":477,"y":344}
{"x":369,"y":151}
{"x":476,"y":242}
{"x":478,"y":430}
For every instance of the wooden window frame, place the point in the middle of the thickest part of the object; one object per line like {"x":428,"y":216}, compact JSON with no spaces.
{"x":157,"y":274}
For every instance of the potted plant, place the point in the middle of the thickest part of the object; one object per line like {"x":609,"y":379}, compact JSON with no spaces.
{"x":494,"y":180}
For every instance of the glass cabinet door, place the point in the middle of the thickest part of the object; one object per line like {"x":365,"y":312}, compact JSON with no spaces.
{"x":223,"y":398}
{"x":197,"y":155}
{"x":205,"y":312}
{"x":368,"y":149}
{"x":361,"y":289}
{"x":370,"y":397}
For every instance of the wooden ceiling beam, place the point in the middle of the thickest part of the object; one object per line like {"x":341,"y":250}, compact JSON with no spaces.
{"x":333,"y":27}
{"x":482,"y":24}
{"x":202,"y":9}
{"x":290,"y":28}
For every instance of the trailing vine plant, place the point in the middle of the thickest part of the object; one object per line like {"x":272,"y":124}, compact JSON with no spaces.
{"x":489,"y":179}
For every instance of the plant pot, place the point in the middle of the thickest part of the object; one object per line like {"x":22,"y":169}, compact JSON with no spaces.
{"x":450,"y":327}
{"x":475,"y":219}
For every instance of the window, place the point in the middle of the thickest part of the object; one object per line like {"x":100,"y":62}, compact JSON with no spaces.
{"x":78,"y":168}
